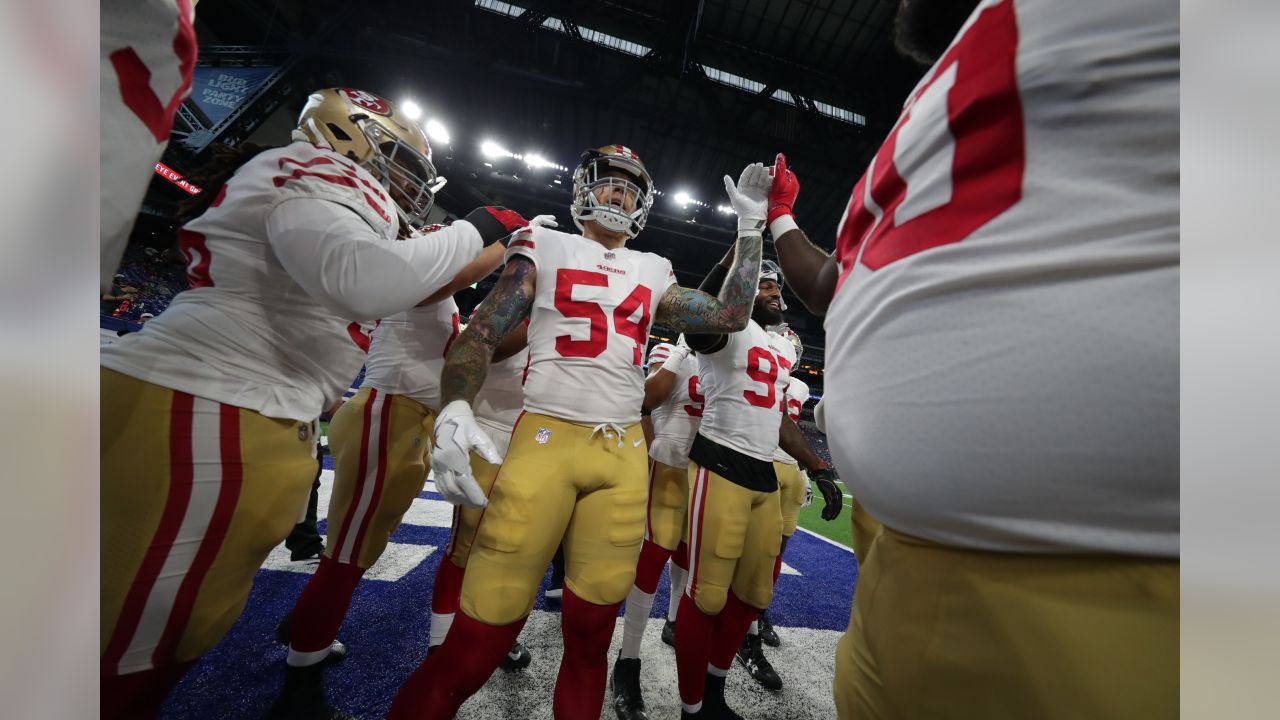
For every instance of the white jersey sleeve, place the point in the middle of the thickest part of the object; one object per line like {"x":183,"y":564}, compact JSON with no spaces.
{"x":500,"y":401}
{"x":676,"y":420}
{"x":1002,"y":347}
{"x":744,"y":383}
{"x":248,"y":332}
{"x":589,"y":324}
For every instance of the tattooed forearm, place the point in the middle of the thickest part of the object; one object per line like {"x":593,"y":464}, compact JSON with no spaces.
{"x":467,"y":364}
{"x":693,"y":311}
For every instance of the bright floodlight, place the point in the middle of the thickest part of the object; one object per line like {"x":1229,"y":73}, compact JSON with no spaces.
{"x":724,"y":209}
{"x":411,"y":109}
{"x":683,"y":198}
{"x":437,"y":131}
{"x":493,"y":149}
{"x":534,"y":160}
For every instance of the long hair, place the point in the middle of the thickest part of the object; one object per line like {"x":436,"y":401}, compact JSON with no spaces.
{"x":211,"y":176}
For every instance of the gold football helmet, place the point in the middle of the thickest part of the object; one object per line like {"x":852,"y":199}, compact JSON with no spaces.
{"x":593,"y":173}
{"x":370,"y":131}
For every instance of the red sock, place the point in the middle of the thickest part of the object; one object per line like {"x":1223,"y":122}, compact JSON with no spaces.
{"x":731,"y":627}
{"x":138,"y":696}
{"x":455,"y":671}
{"x":584,"y":667}
{"x":681,"y":556}
{"x":777,"y":564}
{"x":694,"y":631}
{"x":649,"y":568}
{"x":323,"y":604}
{"x":447,"y":593}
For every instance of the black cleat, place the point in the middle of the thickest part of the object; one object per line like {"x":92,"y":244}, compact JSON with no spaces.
{"x":669,"y":633}
{"x":628,"y":700}
{"x":751,"y":655}
{"x":284,"y":632}
{"x":517,"y":659}
{"x":713,"y":705}
{"x":767,"y":633}
{"x":302,"y":697}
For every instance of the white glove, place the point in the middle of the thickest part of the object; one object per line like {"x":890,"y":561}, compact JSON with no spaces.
{"x":544,"y":221}
{"x":808,"y":490}
{"x":750,"y":197}
{"x":820,"y":416}
{"x":457,"y":434}
{"x":679,"y":352}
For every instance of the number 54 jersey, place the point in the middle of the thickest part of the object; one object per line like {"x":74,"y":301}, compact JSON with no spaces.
{"x":589,"y":325}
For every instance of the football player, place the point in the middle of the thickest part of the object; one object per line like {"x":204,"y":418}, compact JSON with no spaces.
{"x":674,"y":401}
{"x":576,"y":465}
{"x":381,"y":443}
{"x":148,"y":56}
{"x":1002,"y":367}
{"x":735,"y":517}
{"x":497,"y":408}
{"x":293,"y":257}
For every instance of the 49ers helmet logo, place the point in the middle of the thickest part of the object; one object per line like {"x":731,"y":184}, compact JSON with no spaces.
{"x":367,"y":100}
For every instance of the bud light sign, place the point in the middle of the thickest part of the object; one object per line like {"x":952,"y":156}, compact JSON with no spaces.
{"x":218,"y":91}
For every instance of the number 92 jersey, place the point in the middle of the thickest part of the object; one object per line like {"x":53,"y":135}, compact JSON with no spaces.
{"x":589,"y":325}
{"x":744,"y":384}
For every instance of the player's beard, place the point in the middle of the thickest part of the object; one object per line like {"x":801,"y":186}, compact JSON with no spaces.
{"x":924,"y":28}
{"x":765,"y":315}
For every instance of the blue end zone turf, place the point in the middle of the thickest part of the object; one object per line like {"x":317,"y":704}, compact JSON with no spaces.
{"x":387,"y":624}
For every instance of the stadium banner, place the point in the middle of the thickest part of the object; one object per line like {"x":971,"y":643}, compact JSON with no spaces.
{"x":176,"y":178}
{"x":217,"y":91}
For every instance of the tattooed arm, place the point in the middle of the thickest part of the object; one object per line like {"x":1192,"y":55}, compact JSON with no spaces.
{"x":467,"y":363}
{"x":693,"y":311}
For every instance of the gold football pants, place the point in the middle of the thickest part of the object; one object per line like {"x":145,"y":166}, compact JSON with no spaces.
{"x":559,"y":480}
{"x":734,"y":538}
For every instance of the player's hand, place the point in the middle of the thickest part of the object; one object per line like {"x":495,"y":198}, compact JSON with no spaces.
{"x":832,"y":498}
{"x":750,"y":196}
{"x":679,"y":352}
{"x":808,"y":492}
{"x":783,"y":192}
{"x":457,"y":435}
{"x":495,"y":223}
{"x":544,"y":221}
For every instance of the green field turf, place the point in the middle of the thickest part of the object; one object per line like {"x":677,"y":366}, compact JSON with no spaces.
{"x":839,"y":530}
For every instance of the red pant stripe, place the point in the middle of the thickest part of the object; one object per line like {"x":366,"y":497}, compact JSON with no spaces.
{"x":340,"y":534}
{"x":379,"y":481}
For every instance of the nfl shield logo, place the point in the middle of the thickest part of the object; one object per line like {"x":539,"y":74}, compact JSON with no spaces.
{"x":543,"y":436}
{"x":609,"y":256}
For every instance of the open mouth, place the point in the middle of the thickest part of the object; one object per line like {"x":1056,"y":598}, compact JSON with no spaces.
{"x":616,"y":202}
{"x":775,"y":304}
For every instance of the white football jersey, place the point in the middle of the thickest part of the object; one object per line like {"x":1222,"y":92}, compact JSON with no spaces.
{"x":1002,"y":348}
{"x":501,"y":399}
{"x":676,"y":420}
{"x":589,"y":325}
{"x":246,"y":333}
{"x":148,"y":53}
{"x":744,"y":384}
{"x":407,"y":352}
{"x":792,"y":403}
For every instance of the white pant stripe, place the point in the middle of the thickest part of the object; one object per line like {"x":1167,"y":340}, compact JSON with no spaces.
{"x":206,"y":456}
{"x":370,"y":471}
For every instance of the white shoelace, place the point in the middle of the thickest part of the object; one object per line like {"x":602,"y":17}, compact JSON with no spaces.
{"x":604,"y":430}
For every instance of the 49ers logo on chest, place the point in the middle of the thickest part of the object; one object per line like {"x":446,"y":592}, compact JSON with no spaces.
{"x":367,"y":100}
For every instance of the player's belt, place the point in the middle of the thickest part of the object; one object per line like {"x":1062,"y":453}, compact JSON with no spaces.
{"x":736,"y":467}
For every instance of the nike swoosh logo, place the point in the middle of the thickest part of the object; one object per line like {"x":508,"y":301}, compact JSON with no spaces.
{"x":636,"y":443}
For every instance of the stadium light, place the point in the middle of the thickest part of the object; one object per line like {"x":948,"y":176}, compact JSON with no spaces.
{"x":493,"y":149}
{"x":535,"y":160}
{"x":411,"y":109}
{"x":727,"y":210}
{"x":683,"y":198}
{"x":437,"y":131}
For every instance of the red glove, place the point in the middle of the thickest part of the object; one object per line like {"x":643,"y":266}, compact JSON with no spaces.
{"x":782,"y":196}
{"x":495,"y":223}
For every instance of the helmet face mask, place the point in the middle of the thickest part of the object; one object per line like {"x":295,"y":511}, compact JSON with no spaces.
{"x":597,"y":176}
{"x":368,"y":129}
